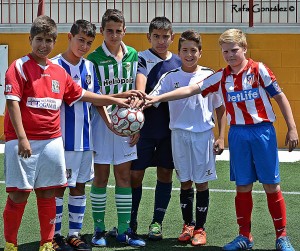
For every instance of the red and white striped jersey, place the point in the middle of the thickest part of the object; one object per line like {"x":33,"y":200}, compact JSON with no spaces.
{"x":39,"y":91}
{"x":246,"y":95}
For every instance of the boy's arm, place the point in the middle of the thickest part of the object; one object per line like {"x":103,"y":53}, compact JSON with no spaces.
{"x":179,"y":93}
{"x":24,"y":148}
{"x":101,"y":100}
{"x":221,"y":118}
{"x":291,"y":139}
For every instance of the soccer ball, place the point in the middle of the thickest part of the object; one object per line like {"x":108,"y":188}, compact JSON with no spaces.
{"x":127,"y":121}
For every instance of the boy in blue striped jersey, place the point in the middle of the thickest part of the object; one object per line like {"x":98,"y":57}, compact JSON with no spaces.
{"x":76,"y":132}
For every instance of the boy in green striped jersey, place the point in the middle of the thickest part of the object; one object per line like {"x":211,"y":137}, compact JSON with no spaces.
{"x":116,"y":66}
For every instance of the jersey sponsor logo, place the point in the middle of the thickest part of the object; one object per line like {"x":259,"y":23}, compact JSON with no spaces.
{"x":55,"y":86}
{"x":176,"y":85}
{"x":76,"y":77}
{"x":44,"y":103}
{"x":88,"y":79}
{"x":8,"y":88}
{"x":116,"y":81}
{"x":245,"y":95}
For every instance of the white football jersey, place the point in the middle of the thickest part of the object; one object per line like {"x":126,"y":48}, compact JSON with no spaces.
{"x":195,"y":113}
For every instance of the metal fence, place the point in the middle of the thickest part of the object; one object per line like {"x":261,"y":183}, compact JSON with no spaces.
{"x":211,"y":12}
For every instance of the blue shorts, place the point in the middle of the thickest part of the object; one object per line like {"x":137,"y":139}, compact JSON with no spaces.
{"x":253,"y":154}
{"x":153,"y":152}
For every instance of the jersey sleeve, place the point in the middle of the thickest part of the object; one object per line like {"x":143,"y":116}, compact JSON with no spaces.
{"x":14,"y":83}
{"x":268,"y":80}
{"x":142,"y":66}
{"x":211,"y":84}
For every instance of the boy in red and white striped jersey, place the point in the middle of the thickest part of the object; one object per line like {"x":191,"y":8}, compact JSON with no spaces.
{"x":246,"y":87}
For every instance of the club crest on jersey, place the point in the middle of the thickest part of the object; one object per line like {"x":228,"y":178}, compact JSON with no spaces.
{"x":127,"y":66}
{"x":88,"y":79}
{"x":250,"y":78}
{"x":55,"y":86}
{"x":8,"y":88}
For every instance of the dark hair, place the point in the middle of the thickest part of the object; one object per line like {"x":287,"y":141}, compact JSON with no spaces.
{"x":43,"y":24}
{"x":112,"y":15}
{"x":160,"y":23}
{"x":192,"y":36}
{"x":84,"y":26}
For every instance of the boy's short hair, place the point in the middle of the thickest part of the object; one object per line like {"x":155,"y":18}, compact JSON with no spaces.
{"x":192,"y":36}
{"x":44,"y":24}
{"x":112,"y":15}
{"x":83,"y":26}
{"x":160,"y":23}
{"x":233,"y":36}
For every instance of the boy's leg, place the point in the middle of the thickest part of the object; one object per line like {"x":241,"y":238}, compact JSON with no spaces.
{"x":202,"y":203}
{"x":47,"y":212}
{"x":59,"y":201}
{"x":12,"y":215}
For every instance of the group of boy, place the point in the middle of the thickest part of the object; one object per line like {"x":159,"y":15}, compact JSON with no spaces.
{"x":36,"y":150}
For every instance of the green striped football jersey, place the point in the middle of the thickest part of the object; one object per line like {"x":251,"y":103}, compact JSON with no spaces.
{"x":113,"y":76}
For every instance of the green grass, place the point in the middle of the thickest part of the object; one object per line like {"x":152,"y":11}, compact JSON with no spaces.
{"x":221,"y":223}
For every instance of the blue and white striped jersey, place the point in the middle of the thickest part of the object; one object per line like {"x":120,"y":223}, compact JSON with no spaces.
{"x":75,"y":119}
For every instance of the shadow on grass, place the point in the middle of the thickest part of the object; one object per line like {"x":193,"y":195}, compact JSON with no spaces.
{"x":165,"y":245}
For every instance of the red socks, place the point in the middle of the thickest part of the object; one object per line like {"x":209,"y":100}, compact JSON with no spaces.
{"x":47,"y":213}
{"x":243,"y":207}
{"x":12,"y":217}
{"x":277,"y":210}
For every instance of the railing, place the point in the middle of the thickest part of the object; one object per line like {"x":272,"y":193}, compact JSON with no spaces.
{"x":249,"y":13}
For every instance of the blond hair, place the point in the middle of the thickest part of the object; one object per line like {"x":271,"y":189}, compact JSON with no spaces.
{"x":234,"y":36}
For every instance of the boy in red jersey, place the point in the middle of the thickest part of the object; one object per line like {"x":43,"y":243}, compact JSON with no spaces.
{"x":34,"y":151}
{"x":246,"y":87}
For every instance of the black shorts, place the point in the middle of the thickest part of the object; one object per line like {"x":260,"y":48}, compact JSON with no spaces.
{"x":153,"y":152}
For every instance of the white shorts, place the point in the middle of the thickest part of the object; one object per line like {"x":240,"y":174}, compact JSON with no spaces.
{"x":45,"y":168}
{"x":193,"y":156}
{"x":110,"y":148}
{"x":79,"y":167}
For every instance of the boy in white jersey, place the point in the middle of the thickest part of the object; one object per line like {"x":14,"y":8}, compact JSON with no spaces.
{"x":77,"y":136}
{"x":193,"y":144}
{"x":116,"y":66}
{"x":246,"y":87}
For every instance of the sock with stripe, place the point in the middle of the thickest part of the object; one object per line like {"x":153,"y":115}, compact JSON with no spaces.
{"x":276,"y":205}
{"x":123,"y":199}
{"x":76,"y":207}
{"x":186,"y":204}
{"x":243,"y":207}
{"x":12,"y":217}
{"x":98,"y":200}
{"x":202,"y":203}
{"x":47,"y":213}
{"x":136,"y":200}
{"x":162,"y":199}
{"x":59,"y":201}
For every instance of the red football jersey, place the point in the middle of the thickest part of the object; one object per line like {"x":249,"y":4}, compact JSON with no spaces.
{"x":40,"y":91}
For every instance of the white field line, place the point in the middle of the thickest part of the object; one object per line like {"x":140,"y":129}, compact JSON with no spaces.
{"x":211,"y":190}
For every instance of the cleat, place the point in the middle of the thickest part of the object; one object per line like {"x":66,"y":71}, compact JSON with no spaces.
{"x":130,"y":239}
{"x":99,"y":238}
{"x":199,"y":237}
{"x":113,"y":232}
{"x":77,"y":244}
{"x":10,"y":247}
{"x":186,"y":233}
{"x":155,"y":231}
{"x":47,"y":247}
{"x":239,"y":243}
{"x":283,"y":244}
{"x":60,"y":244}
